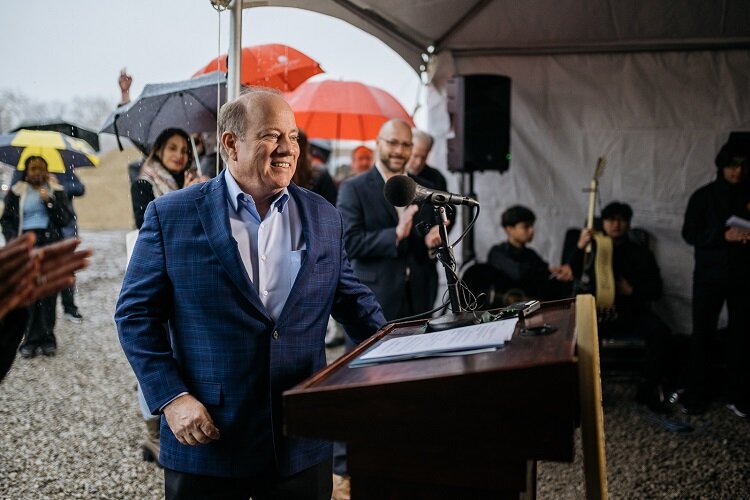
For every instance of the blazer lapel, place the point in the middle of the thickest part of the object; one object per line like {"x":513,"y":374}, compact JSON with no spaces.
{"x":214,"y":216}
{"x":376,"y":188}
{"x":308,"y":212}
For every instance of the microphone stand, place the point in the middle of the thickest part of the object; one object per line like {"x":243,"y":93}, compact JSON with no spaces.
{"x":458,"y":316}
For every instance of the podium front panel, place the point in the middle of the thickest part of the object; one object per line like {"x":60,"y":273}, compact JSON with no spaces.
{"x":517,"y":403}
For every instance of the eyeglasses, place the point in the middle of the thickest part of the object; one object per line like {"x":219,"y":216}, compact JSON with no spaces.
{"x":393,"y":143}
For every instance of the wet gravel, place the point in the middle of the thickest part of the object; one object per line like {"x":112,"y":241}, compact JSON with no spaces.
{"x":70,"y":425}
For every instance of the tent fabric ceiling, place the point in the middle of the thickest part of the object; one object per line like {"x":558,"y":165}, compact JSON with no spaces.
{"x":654,"y":85}
{"x":469,"y":28}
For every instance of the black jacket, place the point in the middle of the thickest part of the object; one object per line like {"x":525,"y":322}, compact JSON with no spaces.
{"x":521,"y":268}
{"x":718,"y":263}
{"x":58,"y":210}
{"x":370,"y":239}
{"x":12,"y":328}
{"x":637,"y":265}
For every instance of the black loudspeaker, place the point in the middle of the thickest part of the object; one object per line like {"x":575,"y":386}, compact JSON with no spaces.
{"x":479,"y":109}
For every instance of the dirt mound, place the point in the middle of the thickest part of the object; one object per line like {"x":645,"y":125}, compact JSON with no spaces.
{"x":106,"y":204}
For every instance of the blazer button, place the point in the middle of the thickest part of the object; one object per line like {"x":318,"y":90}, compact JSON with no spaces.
{"x":276,"y":335}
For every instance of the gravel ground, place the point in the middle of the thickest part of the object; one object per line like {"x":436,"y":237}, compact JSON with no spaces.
{"x":71,"y":427}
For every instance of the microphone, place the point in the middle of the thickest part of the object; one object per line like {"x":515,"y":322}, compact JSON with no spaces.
{"x":401,"y":190}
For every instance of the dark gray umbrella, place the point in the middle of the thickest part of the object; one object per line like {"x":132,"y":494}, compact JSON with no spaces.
{"x":188,"y":104}
{"x":64,"y":127}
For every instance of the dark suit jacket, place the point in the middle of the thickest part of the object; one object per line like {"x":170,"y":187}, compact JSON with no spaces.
{"x":12,"y":328}
{"x":423,"y":267}
{"x":370,"y":237}
{"x":434,"y":177}
{"x":222,"y":345}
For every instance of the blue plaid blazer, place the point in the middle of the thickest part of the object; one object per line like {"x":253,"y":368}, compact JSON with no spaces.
{"x":189,"y":319}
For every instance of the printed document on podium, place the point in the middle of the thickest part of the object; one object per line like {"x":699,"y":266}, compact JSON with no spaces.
{"x":738,"y":222}
{"x":465,"y":340}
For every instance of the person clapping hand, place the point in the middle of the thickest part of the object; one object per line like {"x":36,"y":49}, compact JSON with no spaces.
{"x":28,"y":274}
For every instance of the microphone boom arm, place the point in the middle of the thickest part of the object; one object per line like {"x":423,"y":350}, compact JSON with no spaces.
{"x":448,"y":260}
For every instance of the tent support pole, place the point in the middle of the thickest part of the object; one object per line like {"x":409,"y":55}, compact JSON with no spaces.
{"x":234,"y":61}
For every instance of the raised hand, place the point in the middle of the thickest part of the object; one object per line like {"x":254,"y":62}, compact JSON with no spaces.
{"x":124,"y":81}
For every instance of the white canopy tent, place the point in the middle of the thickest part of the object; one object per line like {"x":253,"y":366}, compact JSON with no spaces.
{"x":654,"y":85}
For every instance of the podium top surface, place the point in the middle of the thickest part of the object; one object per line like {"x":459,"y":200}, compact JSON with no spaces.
{"x":521,"y":353}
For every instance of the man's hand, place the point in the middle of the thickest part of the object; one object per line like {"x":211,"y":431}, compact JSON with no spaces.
{"x":432,"y":238}
{"x":18,"y":269}
{"x":562,"y":273}
{"x":192,"y":177}
{"x":124,"y":81}
{"x":585,"y":238}
{"x":405,"y":221}
{"x":190,"y":422}
{"x":623,"y":287}
{"x":28,"y":273}
{"x":735,"y":234}
{"x":58,"y":264}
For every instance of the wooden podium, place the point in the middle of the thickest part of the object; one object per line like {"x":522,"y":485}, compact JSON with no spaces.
{"x":453,"y":427}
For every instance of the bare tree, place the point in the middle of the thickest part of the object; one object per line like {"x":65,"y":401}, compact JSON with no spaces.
{"x":13,"y":107}
{"x":89,"y":112}
{"x":17,"y":108}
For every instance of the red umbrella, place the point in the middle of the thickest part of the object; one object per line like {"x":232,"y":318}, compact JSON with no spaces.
{"x":334,"y":109}
{"x":273,"y":65}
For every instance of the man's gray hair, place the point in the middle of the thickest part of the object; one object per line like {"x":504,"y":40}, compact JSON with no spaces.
{"x":233,"y":115}
{"x":418,"y":135}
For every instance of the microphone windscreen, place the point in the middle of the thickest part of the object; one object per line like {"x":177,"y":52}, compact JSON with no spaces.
{"x":400,"y":190}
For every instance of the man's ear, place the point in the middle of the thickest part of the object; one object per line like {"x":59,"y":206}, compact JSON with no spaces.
{"x":229,"y":141}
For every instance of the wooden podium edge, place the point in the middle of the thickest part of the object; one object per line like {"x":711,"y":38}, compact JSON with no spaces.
{"x":592,"y":418}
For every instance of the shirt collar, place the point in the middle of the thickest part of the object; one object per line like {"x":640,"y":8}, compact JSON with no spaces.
{"x":235,"y":193}
{"x":383,"y":174}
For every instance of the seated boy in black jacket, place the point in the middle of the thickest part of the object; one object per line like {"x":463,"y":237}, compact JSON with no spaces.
{"x":521,"y":268}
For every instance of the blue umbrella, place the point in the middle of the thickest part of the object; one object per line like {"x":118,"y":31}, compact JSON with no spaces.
{"x":189,"y":104}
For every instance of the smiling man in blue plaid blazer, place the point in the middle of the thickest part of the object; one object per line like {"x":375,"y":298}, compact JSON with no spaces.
{"x":224,"y":306}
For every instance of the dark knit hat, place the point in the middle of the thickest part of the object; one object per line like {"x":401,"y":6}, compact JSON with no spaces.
{"x":738,"y":146}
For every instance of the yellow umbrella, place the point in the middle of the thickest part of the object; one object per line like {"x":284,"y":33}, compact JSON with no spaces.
{"x":60,"y":151}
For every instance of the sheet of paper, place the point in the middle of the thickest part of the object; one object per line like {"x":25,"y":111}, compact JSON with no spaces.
{"x":482,"y":336}
{"x":739,"y":222}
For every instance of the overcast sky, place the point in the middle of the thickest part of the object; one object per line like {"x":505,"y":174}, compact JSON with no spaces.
{"x":61,"y":49}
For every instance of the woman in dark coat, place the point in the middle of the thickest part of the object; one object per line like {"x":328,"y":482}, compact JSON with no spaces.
{"x":37,"y":203}
{"x":168,"y":167}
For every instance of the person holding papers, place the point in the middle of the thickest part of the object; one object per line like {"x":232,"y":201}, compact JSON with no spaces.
{"x":722,"y":274}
